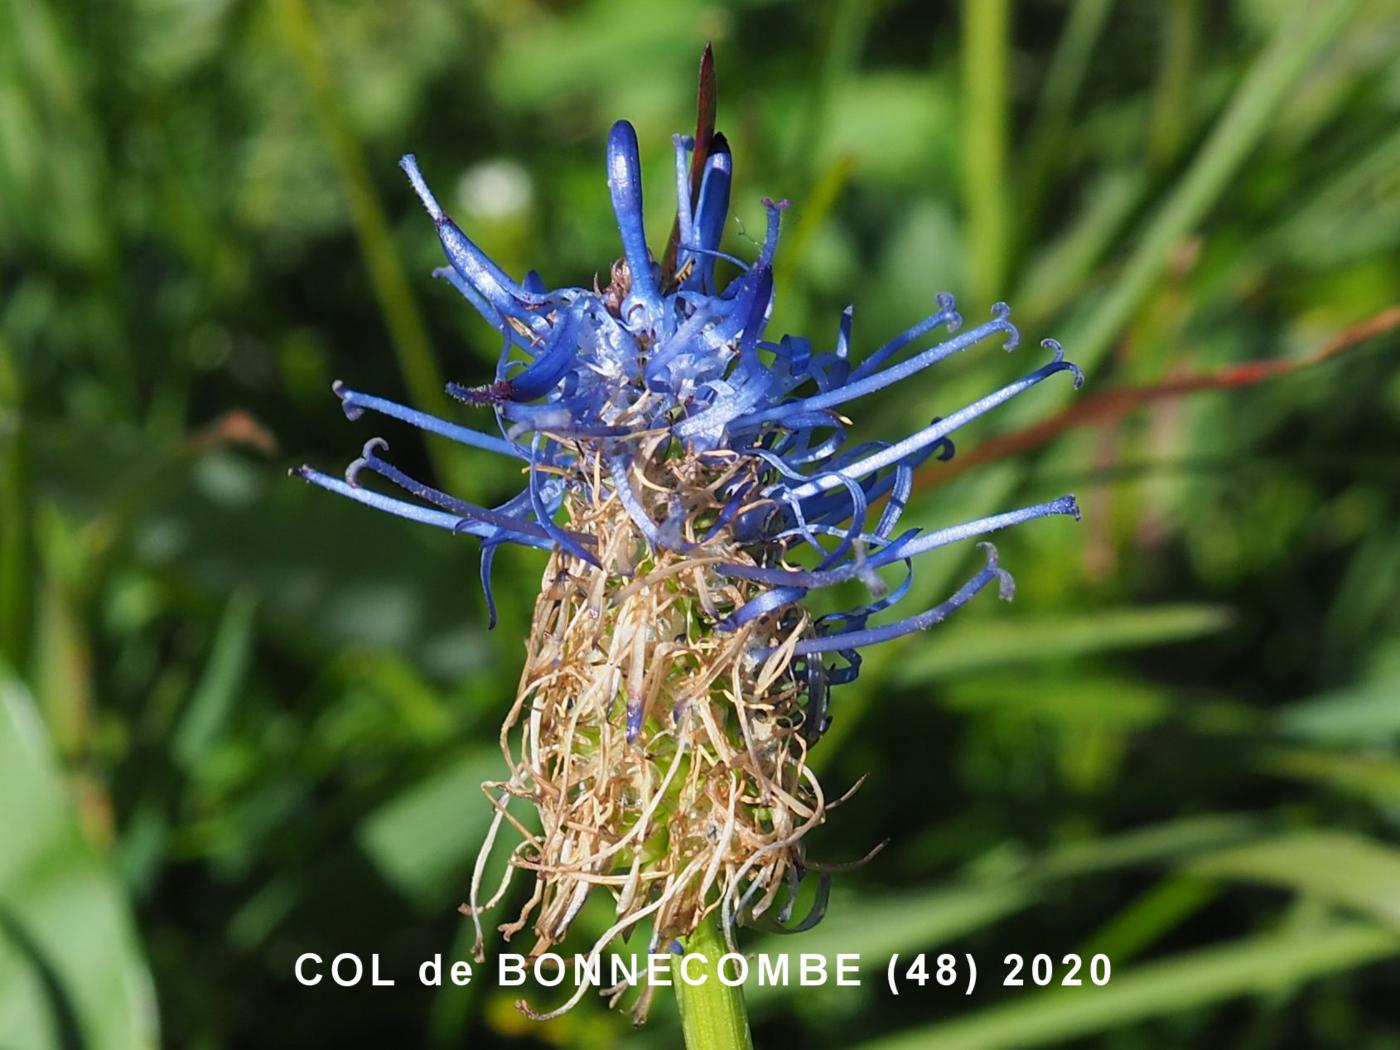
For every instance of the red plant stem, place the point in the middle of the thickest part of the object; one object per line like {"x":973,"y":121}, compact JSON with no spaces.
{"x":1109,"y":406}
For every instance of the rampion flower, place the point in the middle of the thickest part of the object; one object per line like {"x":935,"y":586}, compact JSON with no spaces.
{"x":693,"y":482}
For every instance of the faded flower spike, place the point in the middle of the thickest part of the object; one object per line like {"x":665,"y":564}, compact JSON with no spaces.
{"x":691,"y":477}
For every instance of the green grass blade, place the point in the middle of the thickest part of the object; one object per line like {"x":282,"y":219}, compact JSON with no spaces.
{"x":1375,"y":778}
{"x":1353,"y":716}
{"x":912,"y":921}
{"x":986,"y":45}
{"x":1184,"y":982}
{"x":1171,"y":102}
{"x":959,"y":648}
{"x":1063,"y":79}
{"x":1149,"y":918}
{"x":218,"y":690}
{"x":1295,"y":44}
{"x":1341,"y":868}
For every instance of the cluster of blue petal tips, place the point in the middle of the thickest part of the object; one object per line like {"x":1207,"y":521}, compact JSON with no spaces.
{"x":665,"y":349}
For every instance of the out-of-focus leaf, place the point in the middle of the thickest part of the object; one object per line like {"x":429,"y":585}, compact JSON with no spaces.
{"x":1272,"y":77}
{"x":1255,"y":965}
{"x":322,"y":572}
{"x":1356,"y":214}
{"x":657,"y":44}
{"x":897,"y":923}
{"x":1373,"y":777}
{"x":1367,"y":716}
{"x":71,"y":972}
{"x":218,"y":688}
{"x":1096,"y":700}
{"x":1339,"y":867}
{"x":1059,"y":269}
{"x":427,"y":835}
{"x":1151,"y":844}
{"x":1148,"y":918}
{"x":899,"y":128}
{"x":876,"y":927}
{"x":993,"y":644}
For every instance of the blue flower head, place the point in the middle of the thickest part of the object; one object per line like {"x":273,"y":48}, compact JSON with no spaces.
{"x":660,"y":353}
{"x":693,"y":477}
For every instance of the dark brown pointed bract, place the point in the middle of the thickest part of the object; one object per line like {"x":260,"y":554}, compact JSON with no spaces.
{"x":706,"y":100}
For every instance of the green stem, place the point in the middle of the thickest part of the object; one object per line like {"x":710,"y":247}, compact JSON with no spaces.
{"x":986,"y":42}
{"x":712,"y":1014}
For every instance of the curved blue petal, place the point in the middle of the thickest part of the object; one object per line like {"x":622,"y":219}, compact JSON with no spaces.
{"x":625,"y":184}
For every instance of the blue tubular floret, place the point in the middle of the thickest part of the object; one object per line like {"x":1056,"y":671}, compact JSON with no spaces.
{"x":766,"y":603}
{"x":544,"y":373}
{"x":711,"y":213}
{"x":470,"y":262}
{"x":908,"y":545}
{"x":619,"y":470}
{"x":411,"y":511}
{"x":685,"y":219}
{"x":1006,"y":589}
{"x":610,"y":395}
{"x":471,"y":295}
{"x":625,"y":184}
{"x":507,"y":526}
{"x":938,"y":431}
{"x":775,"y":211}
{"x":354,"y":403}
{"x":545,"y":514}
{"x":946,"y":315}
{"x":756,"y":316}
{"x":855,"y":387}
{"x":488,"y":561}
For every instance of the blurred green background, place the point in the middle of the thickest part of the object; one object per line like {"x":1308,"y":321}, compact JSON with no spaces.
{"x":241,"y":719}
